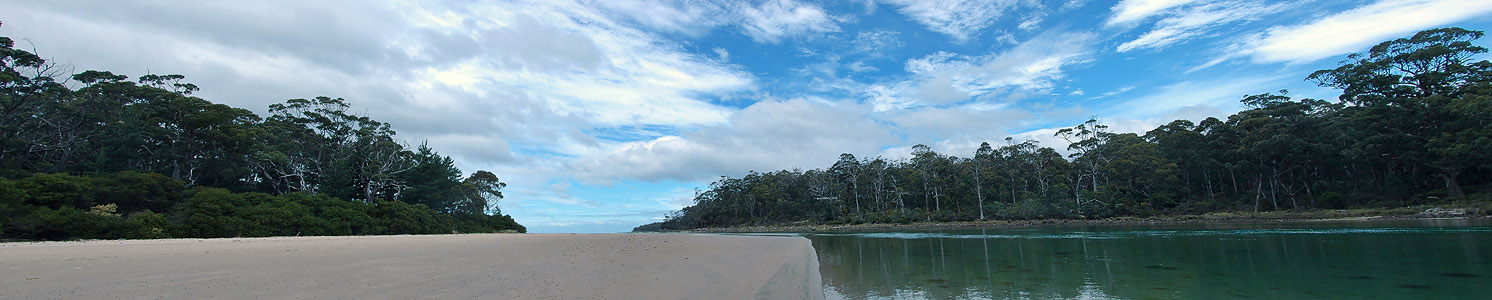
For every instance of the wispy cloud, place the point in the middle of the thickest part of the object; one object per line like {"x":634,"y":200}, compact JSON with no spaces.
{"x":1129,"y":11}
{"x":1193,"y":21}
{"x":722,"y":54}
{"x":959,"y":19}
{"x":1031,"y":66}
{"x":972,"y":122}
{"x":583,"y":63}
{"x":1353,"y":30}
{"x":767,"y":21}
{"x":692,"y":18}
{"x":1168,"y":99}
{"x":1113,"y":93}
{"x":876,"y":41}
{"x":775,"y":19}
{"x":768,"y":135}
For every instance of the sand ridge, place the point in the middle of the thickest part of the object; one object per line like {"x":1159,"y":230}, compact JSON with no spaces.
{"x":474,"y":266}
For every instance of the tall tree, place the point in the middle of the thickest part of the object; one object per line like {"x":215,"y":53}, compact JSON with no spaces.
{"x":1409,"y":87}
{"x":847,"y":169}
{"x":483,"y":190}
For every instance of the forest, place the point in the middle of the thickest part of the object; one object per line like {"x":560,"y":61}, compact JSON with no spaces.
{"x":95,"y":155}
{"x":1413,"y":125}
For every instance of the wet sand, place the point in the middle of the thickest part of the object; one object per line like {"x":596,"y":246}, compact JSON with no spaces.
{"x":487,"y":266}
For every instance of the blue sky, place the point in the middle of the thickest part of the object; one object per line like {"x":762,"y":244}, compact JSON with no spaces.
{"x":604,"y":115}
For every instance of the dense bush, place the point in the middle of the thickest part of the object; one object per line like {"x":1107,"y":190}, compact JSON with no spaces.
{"x":131,"y":205}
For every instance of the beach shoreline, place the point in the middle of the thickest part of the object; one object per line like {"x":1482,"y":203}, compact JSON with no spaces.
{"x":508,"y":266}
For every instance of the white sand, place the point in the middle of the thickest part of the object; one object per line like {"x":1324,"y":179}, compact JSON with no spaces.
{"x":492,"y":266}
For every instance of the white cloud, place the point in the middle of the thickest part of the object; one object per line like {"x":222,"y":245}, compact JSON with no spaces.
{"x":932,"y":124}
{"x":860,"y":66}
{"x":589,"y":65}
{"x":1031,"y":21}
{"x":692,"y":18}
{"x":1129,"y":11}
{"x":768,"y":135}
{"x":1356,"y":29}
{"x":884,"y":97}
{"x":775,"y":19}
{"x":1221,"y":93}
{"x":1029,"y":67}
{"x":959,"y":19}
{"x":1113,"y":92}
{"x":721,"y":54}
{"x":766,"y":21}
{"x":1196,"y":20}
{"x":876,"y":41}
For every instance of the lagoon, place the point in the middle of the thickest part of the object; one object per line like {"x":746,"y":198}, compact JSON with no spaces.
{"x":1362,"y":259}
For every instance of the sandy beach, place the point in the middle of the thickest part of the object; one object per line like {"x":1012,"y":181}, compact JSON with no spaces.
{"x":490,"y":266}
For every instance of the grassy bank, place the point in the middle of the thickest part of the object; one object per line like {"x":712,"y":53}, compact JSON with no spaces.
{"x":1478,"y":209}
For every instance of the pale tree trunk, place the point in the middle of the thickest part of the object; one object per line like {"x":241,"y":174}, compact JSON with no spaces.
{"x":1452,"y":185}
{"x":1258,"y":193}
{"x":978,"y":189}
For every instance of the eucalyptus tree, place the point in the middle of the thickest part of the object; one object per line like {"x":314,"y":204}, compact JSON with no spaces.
{"x":981,"y":155}
{"x":1142,"y":178}
{"x":1086,"y":143}
{"x":847,"y":169}
{"x":929,"y":165}
{"x":481,"y":192}
{"x":877,"y":169}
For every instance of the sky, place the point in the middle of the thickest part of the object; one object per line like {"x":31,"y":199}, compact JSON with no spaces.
{"x":605,"y":115}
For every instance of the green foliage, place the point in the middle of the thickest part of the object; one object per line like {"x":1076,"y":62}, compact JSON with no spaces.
{"x":401,"y":218}
{"x":1333,"y":200}
{"x":211,"y":212}
{"x":147,"y":225}
{"x":649,"y":227}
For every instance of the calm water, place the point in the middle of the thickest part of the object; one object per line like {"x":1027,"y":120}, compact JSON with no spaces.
{"x":1409,"y":259}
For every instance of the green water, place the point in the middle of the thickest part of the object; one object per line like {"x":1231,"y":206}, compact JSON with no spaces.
{"x":1407,"y":259}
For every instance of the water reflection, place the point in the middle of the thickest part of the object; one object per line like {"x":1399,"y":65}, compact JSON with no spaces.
{"x":1279,"y":261}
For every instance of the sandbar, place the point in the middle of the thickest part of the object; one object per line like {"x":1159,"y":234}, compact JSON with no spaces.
{"x":466,"y":266}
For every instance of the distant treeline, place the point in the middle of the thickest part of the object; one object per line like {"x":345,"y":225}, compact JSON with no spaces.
{"x":1413,"y":124}
{"x":115,"y":158}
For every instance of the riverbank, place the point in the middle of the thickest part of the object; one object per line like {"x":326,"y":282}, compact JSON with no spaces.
{"x":503,"y":266}
{"x":1414,"y":212}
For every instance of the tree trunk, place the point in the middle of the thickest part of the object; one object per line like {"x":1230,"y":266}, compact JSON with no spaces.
{"x":1258,"y":193}
{"x":1452,"y":185}
{"x":1234,"y":177}
{"x":855,"y":185}
{"x":926,"y":195}
{"x":978,"y":190}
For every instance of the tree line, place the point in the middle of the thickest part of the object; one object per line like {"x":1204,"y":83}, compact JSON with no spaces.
{"x":1413,"y":124}
{"x":97,"y":155}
